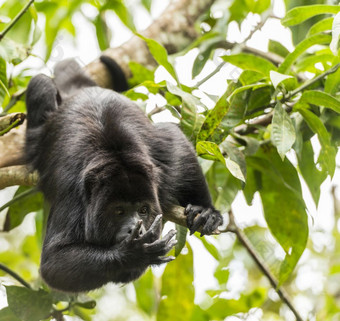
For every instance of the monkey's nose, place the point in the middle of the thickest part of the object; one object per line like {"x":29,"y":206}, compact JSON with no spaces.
{"x":137,"y":233}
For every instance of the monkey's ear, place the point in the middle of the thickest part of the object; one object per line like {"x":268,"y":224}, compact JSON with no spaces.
{"x":42,"y":97}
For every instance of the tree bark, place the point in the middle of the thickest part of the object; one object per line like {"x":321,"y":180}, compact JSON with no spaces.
{"x":174,"y":29}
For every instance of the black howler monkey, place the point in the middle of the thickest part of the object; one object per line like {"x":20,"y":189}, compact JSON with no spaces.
{"x":108,"y":174}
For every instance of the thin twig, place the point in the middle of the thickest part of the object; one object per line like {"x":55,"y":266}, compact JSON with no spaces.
{"x":312,"y":81}
{"x":31,"y":191}
{"x":10,"y":121}
{"x":14,"y":275}
{"x":213,"y":73}
{"x":15,"y":20}
{"x":266,"y":119}
{"x":243,"y":239}
{"x":235,"y":46}
{"x":156,"y":110}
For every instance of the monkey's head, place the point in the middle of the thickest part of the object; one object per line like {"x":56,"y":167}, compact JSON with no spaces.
{"x":118,"y":197}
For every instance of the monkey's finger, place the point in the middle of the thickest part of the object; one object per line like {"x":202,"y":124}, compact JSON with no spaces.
{"x":192,"y":212}
{"x":159,"y":248}
{"x":199,"y":221}
{"x":163,"y":245}
{"x":135,"y":231}
{"x":154,"y":230}
{"x":209,"y":226}
{"x":169,"y":236}
{"x":161,"y":260}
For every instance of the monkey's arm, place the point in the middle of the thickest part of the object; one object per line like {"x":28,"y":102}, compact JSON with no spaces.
{"x":77,"y":267}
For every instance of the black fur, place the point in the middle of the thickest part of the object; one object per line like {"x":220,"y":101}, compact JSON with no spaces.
{"x":119,"y":81}
{"x":108,"y":174}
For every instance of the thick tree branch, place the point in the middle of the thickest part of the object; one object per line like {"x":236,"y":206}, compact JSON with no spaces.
{"x":17,"y":175}
{"x":175,"y":29}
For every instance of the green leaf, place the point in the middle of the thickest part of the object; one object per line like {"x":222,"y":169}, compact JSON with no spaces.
{"x":30,"y":203}
{"x":102,"y":31}
{"x":36,"y":35}
{"x":250,"y":77}
{"x":251,"y":144}
{"x":317,"y":39}
{"x":310,"y":173}
{"x":191,"y":121}
{"x":6,"y":314}
{"x":214,"y":117}
{"x":223,"y":308}
{"x":147,"y":4}
{"x":3,"y":80}
{"x":308,"y":63}
{"x":277,"y":78}
{"x":146,"y":293}
{"x":300,"y":14}
{"x":334,"y":46}
{"x":283,"y":131}
{"x":139,"y":74}
{"x":277,"y":48}
{"x":12,"y":52}
{"x":321,"y":26}
{"x":181,"y":238}
{"x":328,"y":152}
{"x":246,"y":88}
{"x":320,"y":98}
{"x":222,"y":185}
{"x":89,"y":305}
{"x":237,"y":111}
{"x":235,"y":161}
{"x":29,"y":305}
{"x":284,"y":209}
{"x":209,"y":150}
{"x":250,"y":62}
{"x":211,"y":248}
{"x":256,"y":6}
{"x":122,"y":12}
{"x":160,"y":54}
{"x":174,"y":297}
{"x":332,"y":83}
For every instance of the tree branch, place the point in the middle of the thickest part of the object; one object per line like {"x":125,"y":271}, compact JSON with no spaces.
{"x":243,"y":239}
{"x":17,"y":175}
{"x":10,"y":121}
{"x":174,"y":29}
{"x":15,"y":20}
{"x":14,"y":275}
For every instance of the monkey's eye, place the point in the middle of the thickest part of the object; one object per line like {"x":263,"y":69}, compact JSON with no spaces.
{"x":119,"y":211}
{"x":143,"y":210}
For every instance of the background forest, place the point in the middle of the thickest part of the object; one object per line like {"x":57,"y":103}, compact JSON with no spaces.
{"x":255,"y":85}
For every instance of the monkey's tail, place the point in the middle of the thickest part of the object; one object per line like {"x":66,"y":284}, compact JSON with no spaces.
{"x":117,"y":75}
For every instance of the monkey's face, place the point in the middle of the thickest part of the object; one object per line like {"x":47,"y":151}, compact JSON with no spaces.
{"x":109,"y":223}
{"x":114,"y":207}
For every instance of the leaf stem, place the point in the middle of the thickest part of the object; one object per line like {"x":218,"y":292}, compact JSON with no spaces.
{"x":310,"y":82}
{"x":14,"y":275}
{"x":15,"y":20}
{"x":32,"y":190}
{"x":235,"y":46}
{"x":243,"y":239}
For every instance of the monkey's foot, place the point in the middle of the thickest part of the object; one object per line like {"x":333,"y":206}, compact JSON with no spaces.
{"x":204,"y":220}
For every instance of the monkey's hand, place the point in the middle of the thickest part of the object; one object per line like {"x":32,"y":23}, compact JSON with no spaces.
{"x":147,"y":249}
{"x":206,"y":220}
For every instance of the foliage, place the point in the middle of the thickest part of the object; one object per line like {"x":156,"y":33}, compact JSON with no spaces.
{"x":273,"y":130}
